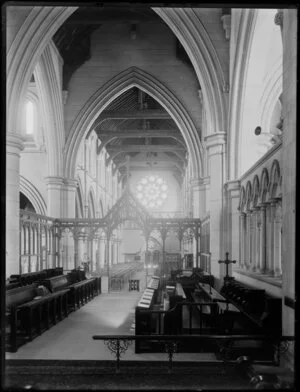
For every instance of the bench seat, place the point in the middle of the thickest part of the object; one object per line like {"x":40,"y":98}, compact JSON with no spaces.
{"x":28,"y":315}
{"x":79,"y":292}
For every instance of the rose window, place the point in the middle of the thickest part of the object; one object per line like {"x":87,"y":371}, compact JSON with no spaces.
{"x":152,"y":191}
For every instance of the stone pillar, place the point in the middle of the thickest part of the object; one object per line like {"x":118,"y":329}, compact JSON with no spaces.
{"x":255,"y":241}
{"x":54,"y":195}
{"x":233,"y":232}
{"x":14,"y":145}
{"x":242,"y":250}
{"x":277,"y":239}
{"x":68,"y":211}
{"x":261,"y":265}
{"x":248,"y":240}
{"x":270,"y":238}
{"x":199,"y":188}
{"x":215,"y":144}
{"x":288,"y":161}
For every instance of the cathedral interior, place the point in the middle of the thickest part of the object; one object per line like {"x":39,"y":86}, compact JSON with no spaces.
{"x":150,"y":197}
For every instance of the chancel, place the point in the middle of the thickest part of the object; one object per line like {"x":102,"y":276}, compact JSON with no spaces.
{"x":150,"y":197}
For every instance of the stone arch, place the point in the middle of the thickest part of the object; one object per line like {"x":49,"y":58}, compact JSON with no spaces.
{"x":274,"y":179}
{"x":271,"y":94}
{"x":190,"y":31}
{"x":32,"y":193}
{"x":244,"y":38}
{"x":49,"y":91}
{"x":133,"y":77}
{"x":249,"y":147}
{"x":264,"y":185}
{"x":28,"y":44}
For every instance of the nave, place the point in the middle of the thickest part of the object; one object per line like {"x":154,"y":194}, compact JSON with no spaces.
{"x":158,"y":138}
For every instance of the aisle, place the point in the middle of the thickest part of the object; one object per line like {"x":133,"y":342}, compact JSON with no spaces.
{"x":72,"y":337}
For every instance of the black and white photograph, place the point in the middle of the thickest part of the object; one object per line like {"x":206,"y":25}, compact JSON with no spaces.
{"x":149,"y":196}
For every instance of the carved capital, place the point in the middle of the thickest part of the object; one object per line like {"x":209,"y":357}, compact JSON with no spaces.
{"x":14,"y":143}
{"x":226,"y":87}
{"x":215,"y":143}
{"x":65,"y":96}
{"x":278,"y":19}
{"x":226,"y":20}
{"x":53,"y":181}
{"x":200,"y":93}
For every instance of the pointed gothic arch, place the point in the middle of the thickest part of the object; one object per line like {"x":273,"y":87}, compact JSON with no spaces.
{"x":190,"y":31}
{"x":32,"y":193}
{"x":134,"y":77}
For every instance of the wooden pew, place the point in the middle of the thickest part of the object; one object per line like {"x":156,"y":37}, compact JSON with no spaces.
{"x":29,"y":278}
{"x":28,"y":315}
{"x":262,"y":312}
{"x":12,"y":285}
{"x":32,"y":277}
{"x":80,"y":292}
{"x":228,"y":314}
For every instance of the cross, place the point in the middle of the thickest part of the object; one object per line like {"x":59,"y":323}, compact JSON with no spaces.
{"x":227,"y":262}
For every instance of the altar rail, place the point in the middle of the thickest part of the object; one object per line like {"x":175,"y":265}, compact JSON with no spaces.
{"x":170,"y":344}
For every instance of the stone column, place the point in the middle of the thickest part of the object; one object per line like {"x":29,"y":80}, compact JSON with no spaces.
{"x":270,"y":213}
{"x":261,"y":265}
{"x":68,"y":211}
{"x":277,"y":239}
{"x":242,"y":250}
{"x":14,"y":146}
{"x":200,"y":188}
{"x":233,"y":232}
{"x":54,"y":195}
{"x":248,"y":240}
{"x":215,"y":144}
{"x":255,"y":240}
{"x":288,"y":163}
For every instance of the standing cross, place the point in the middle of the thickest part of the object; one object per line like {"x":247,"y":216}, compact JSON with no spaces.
{"x":227,"y":262}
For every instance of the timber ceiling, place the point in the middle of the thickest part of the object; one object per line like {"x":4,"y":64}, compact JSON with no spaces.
{"x":134,"y":124}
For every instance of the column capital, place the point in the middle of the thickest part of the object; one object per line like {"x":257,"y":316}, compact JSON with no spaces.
{"x":226,"y":19}
{"x":14,"y":142}
{"x":215,"y":142}
{"x":233,"y":188}
{"x":278,"y":19}
{"x":54,"y":181}
{"x":215,"y":139}
{"x":70,"y":183}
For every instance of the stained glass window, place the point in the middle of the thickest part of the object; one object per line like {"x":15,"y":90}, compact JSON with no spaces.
{"x":152,"y":191}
